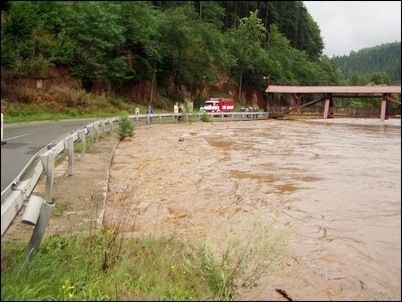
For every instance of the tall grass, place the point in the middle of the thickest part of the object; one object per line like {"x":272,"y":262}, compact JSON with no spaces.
{"x":103,"y":264}
{"x":73,"y":267}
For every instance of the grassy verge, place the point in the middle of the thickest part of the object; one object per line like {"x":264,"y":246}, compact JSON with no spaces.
{"x":102,"y":265}
{"x":73,"y":267}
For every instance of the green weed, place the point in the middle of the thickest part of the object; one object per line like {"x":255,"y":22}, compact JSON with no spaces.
{"x":59,"y":208}
{"x":205,"y":117}
{"x":126,"y":128}
{"x":102,"y":266}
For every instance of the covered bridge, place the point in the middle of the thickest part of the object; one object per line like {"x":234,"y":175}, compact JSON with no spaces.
{"x":328,"y":93}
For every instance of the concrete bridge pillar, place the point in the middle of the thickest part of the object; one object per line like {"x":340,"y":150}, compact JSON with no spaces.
{"x":384,"y":108}
{"x":329,"y":107}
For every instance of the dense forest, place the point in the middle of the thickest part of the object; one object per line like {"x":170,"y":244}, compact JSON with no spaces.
{"x":190,"y":43}
{"x":383,"y":60}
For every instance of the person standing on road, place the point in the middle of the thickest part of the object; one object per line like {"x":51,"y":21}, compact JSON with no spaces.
{"x":149,"y":111}
{"x":180,"y":111}
{"x":176,"y":110}
{"x":136,"y":112}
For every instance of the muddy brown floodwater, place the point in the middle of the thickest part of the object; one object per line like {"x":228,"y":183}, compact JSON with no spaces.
{"x":337,"y":183}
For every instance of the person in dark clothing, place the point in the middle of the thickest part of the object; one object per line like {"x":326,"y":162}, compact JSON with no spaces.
{"x":149,"y":111}
{"x":180,"y":111}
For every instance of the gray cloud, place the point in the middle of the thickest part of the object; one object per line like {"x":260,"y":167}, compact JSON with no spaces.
{"x":353,"y":25}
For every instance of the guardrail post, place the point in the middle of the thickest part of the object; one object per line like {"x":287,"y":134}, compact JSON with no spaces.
{"x":48,"y":165}
{"x":110,"y":121}
{"x":96,"y":128}
{"x":70,"y":144}
{"x":91,"y":131}
{"x":46,"y":208}
{"x":39,"y":230}
{"x":2,"y":142}
{"x":81,"y":135}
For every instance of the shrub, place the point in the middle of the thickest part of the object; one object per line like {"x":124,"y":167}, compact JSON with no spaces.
{"x":126,"y":128}
{"x":205,"y":117}
{"x":34,"y":67}
{"x":72,"y":112}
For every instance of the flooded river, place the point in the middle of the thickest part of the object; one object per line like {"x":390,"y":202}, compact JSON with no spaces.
{"x":338,"y":185}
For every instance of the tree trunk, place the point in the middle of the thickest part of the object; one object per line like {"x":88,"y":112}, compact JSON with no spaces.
{"x":152,"y":87}
{"x":266,"y":14}
{"x":235,"y":19}
{"x":241,"y":80}
{"x":200,"y":8}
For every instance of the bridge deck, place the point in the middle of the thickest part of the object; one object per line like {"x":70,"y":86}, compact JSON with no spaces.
{"x":334,"y":89}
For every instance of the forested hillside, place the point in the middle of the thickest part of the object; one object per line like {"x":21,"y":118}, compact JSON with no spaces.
{"x":176,"y":46}
{"x":385,"y":59}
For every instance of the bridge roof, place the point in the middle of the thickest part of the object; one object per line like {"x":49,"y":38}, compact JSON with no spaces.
{"x":334,"y":89}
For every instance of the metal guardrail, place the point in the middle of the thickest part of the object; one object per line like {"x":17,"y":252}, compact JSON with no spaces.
{"x":196,"y":116}
{"x":19,"y":191}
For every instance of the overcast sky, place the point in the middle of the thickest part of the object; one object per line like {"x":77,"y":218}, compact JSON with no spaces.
{"x":353,"y":25}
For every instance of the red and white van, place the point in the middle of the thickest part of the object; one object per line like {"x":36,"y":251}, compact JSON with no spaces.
{"x":219,"y":105}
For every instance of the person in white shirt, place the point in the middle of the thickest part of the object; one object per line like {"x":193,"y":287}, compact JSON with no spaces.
{"x":176,"y":109}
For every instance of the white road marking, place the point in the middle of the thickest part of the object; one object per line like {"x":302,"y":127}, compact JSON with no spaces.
{"x":18,"y":136}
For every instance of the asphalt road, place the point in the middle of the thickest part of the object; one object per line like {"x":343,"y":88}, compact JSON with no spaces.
{"x":24,"y":140}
